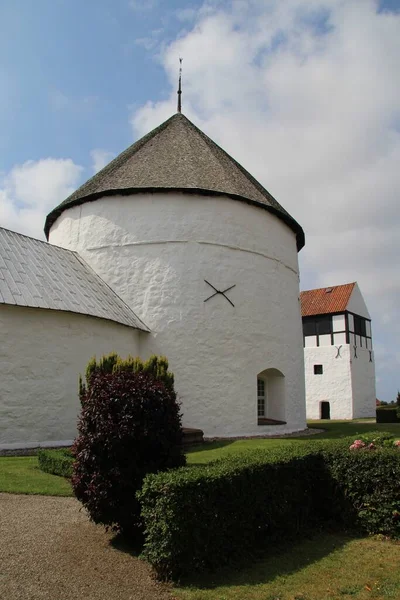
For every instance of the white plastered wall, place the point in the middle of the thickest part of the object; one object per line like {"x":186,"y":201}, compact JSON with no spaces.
{"x":42,"y":353}
{"x":156,"y":250}
{"x":357,"y":304}
{"x":333,"y":386}
{"x":363,"y":383}
{"x":362,"y":367}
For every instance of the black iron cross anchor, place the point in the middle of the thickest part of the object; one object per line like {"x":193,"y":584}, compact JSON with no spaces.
{"x":222,"y":292}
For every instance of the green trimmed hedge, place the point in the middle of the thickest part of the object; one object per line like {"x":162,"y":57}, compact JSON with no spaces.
{"x":368,"y":481}
{"x":204,"y":517}
{"x":387,"y":414}
{"x":57,"y":462}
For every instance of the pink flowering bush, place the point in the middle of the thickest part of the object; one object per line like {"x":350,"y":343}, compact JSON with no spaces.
{"x":381,"y":440}
{"x":357,"y":445}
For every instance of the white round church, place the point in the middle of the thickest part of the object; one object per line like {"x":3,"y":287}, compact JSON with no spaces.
{"x":206,"y":258}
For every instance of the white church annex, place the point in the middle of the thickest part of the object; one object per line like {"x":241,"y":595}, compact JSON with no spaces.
{"x":339,"y":357}
{"x":174,"y":249}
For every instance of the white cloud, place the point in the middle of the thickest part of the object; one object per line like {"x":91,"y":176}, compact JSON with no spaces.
{"x":29,"y":191}
{"x":100,"y":158}
{"x":305,"y":94}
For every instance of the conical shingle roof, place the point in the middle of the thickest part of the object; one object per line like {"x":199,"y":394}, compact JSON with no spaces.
{"x":176,"y":156}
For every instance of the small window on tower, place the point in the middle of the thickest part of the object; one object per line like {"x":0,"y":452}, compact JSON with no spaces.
{"x":318,"y":370}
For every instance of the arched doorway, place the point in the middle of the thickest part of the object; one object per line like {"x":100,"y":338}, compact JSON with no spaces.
{"x":271,"y":401}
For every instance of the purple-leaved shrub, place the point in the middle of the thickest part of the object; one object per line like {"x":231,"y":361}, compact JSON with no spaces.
{"x":130,"y":425}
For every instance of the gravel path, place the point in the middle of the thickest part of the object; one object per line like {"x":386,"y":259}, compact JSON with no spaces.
{"x":50,"y":550}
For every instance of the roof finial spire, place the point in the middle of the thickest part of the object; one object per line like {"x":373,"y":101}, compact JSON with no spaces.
{"x":180,"y":87}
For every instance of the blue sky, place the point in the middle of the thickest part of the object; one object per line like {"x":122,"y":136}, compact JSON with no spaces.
{"x":71,"y":69}
{"x":304,"y":93}
{"x":70,"y":72}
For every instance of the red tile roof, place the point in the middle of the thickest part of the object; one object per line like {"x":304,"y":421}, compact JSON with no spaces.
{"x":326,"y":300}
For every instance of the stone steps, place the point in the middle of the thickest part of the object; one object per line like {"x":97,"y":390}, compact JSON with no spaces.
{"x":192,"y":436}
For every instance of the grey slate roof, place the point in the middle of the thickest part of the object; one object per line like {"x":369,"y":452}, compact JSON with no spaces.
{"x":40,"y":275}
{"x":176,"y":156}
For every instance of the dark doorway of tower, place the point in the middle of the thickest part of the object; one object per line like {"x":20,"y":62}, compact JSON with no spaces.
{"x":325,"y":410}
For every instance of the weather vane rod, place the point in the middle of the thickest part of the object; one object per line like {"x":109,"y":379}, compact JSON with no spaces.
{"x":180,"y":87}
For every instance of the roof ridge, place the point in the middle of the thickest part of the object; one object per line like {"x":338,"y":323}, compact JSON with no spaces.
{"x":29,"y":237}
{"x":328,"y":286}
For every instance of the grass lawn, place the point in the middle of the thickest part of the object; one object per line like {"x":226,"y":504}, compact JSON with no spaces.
{"x":333,"y":429}
{"x":326,"y":567}
{"x":21,"y":475}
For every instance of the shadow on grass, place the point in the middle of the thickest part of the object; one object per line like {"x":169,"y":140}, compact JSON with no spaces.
{"x":280,"y":560}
